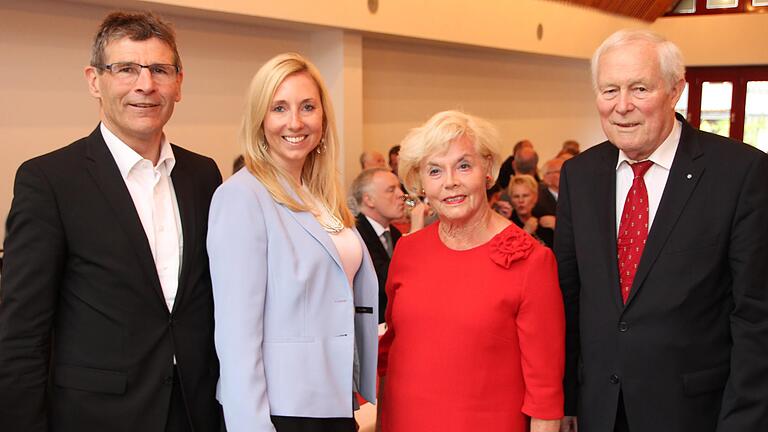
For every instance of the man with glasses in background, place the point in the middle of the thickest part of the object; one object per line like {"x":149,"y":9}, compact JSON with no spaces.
{"x":549,"y":187}
{"x":106,"y":317}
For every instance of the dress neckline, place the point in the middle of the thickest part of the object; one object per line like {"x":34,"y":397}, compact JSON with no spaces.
{"x":473,"y":248}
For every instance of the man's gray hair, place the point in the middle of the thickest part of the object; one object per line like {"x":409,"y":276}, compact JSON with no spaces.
{"x":526,"y":161}
{"x":136,"y":26}
{"x":671,"y":60}
{"x":362,"y":183}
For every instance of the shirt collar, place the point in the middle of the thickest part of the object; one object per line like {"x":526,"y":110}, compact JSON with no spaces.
{"x":554,"y":192}
{"x":664,"y":154}
{"x":376,"y":226}
{"x":126,"y":157}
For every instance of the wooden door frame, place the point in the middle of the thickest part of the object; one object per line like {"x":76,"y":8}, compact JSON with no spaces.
{"x":739,"y":76}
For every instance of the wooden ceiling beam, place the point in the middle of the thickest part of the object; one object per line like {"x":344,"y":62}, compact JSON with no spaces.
{"x":647,"y":10}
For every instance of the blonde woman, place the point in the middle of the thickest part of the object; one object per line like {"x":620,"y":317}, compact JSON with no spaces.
{"x":524,"y":194}
{"x":294,"y":289}
{"x":475,"y":337}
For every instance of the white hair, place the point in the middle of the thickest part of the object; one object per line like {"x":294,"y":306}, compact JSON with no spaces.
{"x":670,"y":58}
{"x":437,"y":134}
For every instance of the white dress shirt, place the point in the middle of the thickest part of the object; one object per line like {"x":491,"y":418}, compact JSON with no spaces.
{"x":655,"y":178}
{"x":154,"y":198}
{"x":555,"y":193}
{"x":379,"y":230}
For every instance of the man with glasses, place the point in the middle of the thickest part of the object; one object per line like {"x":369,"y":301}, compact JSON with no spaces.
{"x":106,"y":317}
{"x":549,"y":187}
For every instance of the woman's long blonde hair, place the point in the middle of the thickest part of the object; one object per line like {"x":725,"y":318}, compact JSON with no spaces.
{"x":319,"y":174}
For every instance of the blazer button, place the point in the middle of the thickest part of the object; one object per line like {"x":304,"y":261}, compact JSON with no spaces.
{"x":623,"y":326}
{"x":171,"y":321}
{"x":614,"y":379}
{"x":168,"y":380}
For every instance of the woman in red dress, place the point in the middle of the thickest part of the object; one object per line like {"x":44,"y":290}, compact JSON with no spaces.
{"x":475,"y":336}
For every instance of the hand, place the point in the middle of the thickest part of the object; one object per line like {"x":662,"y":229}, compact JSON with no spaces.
{"x":547,"y":221}
{"x":418,"y":213}
{"x":540,"y":425}
{"x":569,"y":424}
{"x":531,"y":225}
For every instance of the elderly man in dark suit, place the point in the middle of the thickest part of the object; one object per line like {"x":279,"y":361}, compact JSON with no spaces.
{"x":106,"y":320}
{"x":549,"y":187}
{"x":662,"y":245}
{"x":380,"y":201}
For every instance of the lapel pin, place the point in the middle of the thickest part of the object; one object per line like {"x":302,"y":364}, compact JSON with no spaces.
{"x":689,"y":176}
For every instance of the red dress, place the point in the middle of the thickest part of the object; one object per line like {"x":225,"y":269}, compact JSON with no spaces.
{"x":475,"y":338}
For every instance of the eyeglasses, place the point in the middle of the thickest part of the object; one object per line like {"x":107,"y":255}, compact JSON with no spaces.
{"x":128,"y":73}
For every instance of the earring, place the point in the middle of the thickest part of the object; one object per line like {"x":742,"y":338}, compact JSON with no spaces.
{"x":320,"y":149}
{"x":263,"y":145}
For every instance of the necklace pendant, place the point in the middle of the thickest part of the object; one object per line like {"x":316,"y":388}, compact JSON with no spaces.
{"x":333,"y":225}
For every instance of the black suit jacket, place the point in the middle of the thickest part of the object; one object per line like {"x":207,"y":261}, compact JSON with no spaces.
{"x":379,"y":256}
{"x":86,"y":340}
{"x":546,"y":204}
{"x":689,"y":351}
{"x":543,"y":235}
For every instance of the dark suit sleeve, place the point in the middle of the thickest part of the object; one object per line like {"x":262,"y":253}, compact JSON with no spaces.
{"x":568,"y":272}
{"x":34,"y":260}
{"x":745,"y":400}
{"x":216,"y":179}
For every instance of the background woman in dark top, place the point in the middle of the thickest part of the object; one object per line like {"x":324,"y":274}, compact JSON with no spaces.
{"x":524,"y":193}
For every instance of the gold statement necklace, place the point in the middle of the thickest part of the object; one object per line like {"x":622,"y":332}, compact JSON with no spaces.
{"x":330,"y":223}
{"x":324,"y":216}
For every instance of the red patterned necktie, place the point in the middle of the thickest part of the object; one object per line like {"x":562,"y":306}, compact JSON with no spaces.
{"x":633,"y":228}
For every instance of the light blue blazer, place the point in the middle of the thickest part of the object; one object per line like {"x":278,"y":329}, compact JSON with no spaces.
{"x":286,"y":318}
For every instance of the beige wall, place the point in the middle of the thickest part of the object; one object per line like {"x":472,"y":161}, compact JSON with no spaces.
{"x":543,"y":98}
{"x":49,"y":109}
{"x":46,"y":105}
{"x":505,"y":24}
{"x":384,"y":88}
{"x":710,"y":40}
{"x":569,"y":30}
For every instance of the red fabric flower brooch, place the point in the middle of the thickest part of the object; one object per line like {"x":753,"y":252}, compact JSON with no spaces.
{"x":510,"y":245}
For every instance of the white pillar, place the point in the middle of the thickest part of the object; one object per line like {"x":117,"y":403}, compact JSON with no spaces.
{"x":339,"y":56}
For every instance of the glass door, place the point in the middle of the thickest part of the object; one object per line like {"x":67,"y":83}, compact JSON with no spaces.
{"x":728,"y":101}
{"x":756,"y":115}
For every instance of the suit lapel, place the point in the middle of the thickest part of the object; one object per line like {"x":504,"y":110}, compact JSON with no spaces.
{"x":683,"y":178}
{"x":183,"y":186}
{"x":605,"y":189}
{"x":312,"y":226}
{"x":396,"y":234}
{"x":103,"y":169}
{"x":369,"y":234}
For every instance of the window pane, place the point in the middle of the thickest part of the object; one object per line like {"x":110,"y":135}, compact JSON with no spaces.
{"x":685,"y":6}
{"x":682,"y":104}
{"x":756,"y":115}
{"x":718,"y":4}
{"x":759,"y":2}
{"x":716,"y":107}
